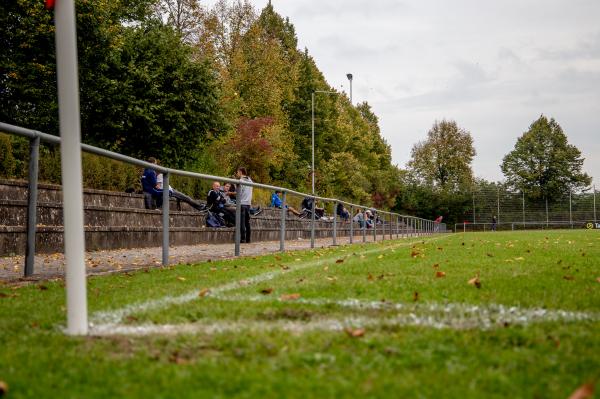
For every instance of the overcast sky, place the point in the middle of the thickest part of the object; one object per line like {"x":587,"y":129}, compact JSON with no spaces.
{"x":493,"y":66}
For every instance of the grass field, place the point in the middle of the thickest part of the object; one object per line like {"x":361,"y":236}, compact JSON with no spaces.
{"x":477,"y":315}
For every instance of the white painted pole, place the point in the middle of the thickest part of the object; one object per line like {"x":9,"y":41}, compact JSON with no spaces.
{"x":70,"y":148}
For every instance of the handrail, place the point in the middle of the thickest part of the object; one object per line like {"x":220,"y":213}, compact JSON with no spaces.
{"x":413,"y":224}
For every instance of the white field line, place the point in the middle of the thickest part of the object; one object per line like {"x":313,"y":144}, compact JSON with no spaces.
{"x":453,"y":316}
{"x":116,"y":316}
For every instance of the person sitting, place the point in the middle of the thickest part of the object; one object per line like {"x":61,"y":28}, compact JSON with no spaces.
{"x":215,"y":202}
{"x":359,"y":217}
{"x":342,"y":212}
{"x":369,"y":219}
{"x":179,"y":196}
{"x":153,"y":197}
{"x":276,"y":202}
{"x":307,"y":205}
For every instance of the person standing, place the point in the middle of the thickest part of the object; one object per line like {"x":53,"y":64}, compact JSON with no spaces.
{"x":244,"y":196}
{"x":494,"y":223}
{"x":152,"y":194}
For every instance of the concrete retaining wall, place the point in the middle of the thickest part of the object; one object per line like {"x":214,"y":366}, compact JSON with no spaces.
{"x":119,"y":220}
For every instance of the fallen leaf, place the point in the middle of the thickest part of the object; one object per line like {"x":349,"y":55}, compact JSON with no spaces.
{"x":181,"y":278}
{"x":266,"y":291}
{"x":278,"y":257}
{"x":583,"y":392}
{"x":440,"y":274}
{"x":490,"y":255}
{"x":598,"y":279}
{"x":569,"y":278}
{"x":339,"y":261}
{"x":298,"y":259}
{"x":435,"y":266}
{"x":520,"y":258}
{"x":370,"y":277}
{"x":475,"y":281}
{"x":290,"y":297}
{"x":362,"y":256}
{"x":415,"y":296}
{"x":380,"y":257}
{"x":331,"y":278}
{"x":3,"y":388}
{"x":414,"y":254}
{"x":355,"y":333}
{"x":203,"y":292}
{"x":326,"y":268}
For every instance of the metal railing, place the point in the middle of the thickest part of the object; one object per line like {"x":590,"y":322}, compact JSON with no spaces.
{"x":396,"y":224}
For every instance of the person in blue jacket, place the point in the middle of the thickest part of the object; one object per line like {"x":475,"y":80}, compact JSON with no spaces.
{"x":152,"y":195}
{"x":276,"y":202}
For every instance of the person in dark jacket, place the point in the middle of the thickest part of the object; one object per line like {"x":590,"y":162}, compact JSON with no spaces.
{"x":215,"y":202}
{"x":152,"y":195}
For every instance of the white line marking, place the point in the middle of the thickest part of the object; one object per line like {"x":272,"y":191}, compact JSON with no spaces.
{"x":117,"y":315}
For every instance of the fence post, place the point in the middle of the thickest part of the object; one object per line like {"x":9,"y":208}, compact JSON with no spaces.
{"x":165,"y":219}
{"x":238,"y":221}
{"x":570,"y":210}
{"x":351,"y":224}
{"x":473,"y":194}
{"x":498,"y":217}
{"x":335,"y":205}
{"x":595,"y":204}
{"x":364,"y":226}
{"x":547,"y":219}
{"x":376,"y":216}
{"x":523,"y":192}
{"x":312,"y":223}
{"x":283,"y":216}
{"x":34,"y":155}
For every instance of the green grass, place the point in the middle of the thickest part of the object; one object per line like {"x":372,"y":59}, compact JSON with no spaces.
{"x":550,"y":270}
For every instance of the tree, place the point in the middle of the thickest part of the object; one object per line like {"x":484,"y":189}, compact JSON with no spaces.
{"x":444,"y":159}
{"x":543,"y":164}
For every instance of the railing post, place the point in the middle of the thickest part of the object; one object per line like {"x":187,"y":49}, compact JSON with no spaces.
{"x":364,"y":226}
{"x":397,"y":228}
{"x":351,"y":224}
{"x":375,"y":227}
{"x":312,"y":223}
{"x":283,"y":217}
{"x":334,"y":236}
{"x":238,"y":221}
{"x":165,"y":220}
{"x":34,"y":155}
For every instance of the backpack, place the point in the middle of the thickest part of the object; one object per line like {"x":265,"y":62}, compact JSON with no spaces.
{"x":214,"y":220}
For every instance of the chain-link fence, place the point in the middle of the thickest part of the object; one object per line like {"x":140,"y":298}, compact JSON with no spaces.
{"x":516,"y":210}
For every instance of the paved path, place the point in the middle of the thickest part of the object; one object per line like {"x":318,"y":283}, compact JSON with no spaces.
{"x":48,"y":266}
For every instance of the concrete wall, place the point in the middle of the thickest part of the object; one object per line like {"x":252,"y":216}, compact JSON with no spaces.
{"x":119,"y":220}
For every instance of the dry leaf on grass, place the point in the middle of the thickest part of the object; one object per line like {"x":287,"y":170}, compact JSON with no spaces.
{"x":436,"y":265}
{"x":475,"y":281}
{"x":380,"y":257}
{"x":3,"y":388}
{"x":266,"y":291}
{"x":415,"y":296}
{"x":355,"y":333}
{"x":290,"y":297}
{"x":440,"y":274}
{"x":339,"y":261}
{"x":414,"y":254}
{"x":181,"y":278}
{"x":370,"y":277}
{"x":331,"y":278}
{"x":203,"y":292}
{"x":598,"y":279}
{"x":583,"y":392}
{"x":569,"y":278}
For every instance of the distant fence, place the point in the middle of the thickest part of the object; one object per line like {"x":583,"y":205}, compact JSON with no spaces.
{"x":512,"y":226}
{"x":516,"y":209}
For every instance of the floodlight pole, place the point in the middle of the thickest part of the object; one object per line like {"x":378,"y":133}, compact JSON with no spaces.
{"x":70,"y":148}
{"x":595,"y":204}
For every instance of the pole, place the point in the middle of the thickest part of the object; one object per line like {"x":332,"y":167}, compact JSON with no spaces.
{"x":473,"y":207}
{"x":595,"y":204}
{"x":283,"y":216}
{"x":570,"y":210}
{"x":351,"y":224}
{"x":165,"y":220}
{"x":364,"y":226}
{"x":375,"y":227}
{"x":498,"y":217}
{"x":70,"y":149}
{"x":523,"y":192}
{"x":238,"y":221}
{"x":32,"y":193}
{"x":312,"y":223}
{"x":335,"y":205}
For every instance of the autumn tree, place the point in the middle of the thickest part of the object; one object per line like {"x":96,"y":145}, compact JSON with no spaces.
{"x":543,"y":164}
{"x":444,"y":159}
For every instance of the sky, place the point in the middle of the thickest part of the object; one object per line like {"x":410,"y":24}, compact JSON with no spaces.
{"x":492,"y":66}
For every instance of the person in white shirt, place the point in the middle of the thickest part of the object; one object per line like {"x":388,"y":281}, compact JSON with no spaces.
{"x":244,"y":196}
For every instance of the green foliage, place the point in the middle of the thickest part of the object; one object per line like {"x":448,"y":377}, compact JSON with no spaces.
{"x":544,"y":164}
{"x":444,"y":159}
{"x":7,"y":160}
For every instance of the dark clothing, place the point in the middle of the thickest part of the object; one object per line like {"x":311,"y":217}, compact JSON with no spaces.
{"x":342,"y":212}
{"x":182,"y":197}
{"x":307,"y":203}
{"x":215,"y":201}
{"x":245,"y":224}
{"x":152,"y":196}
